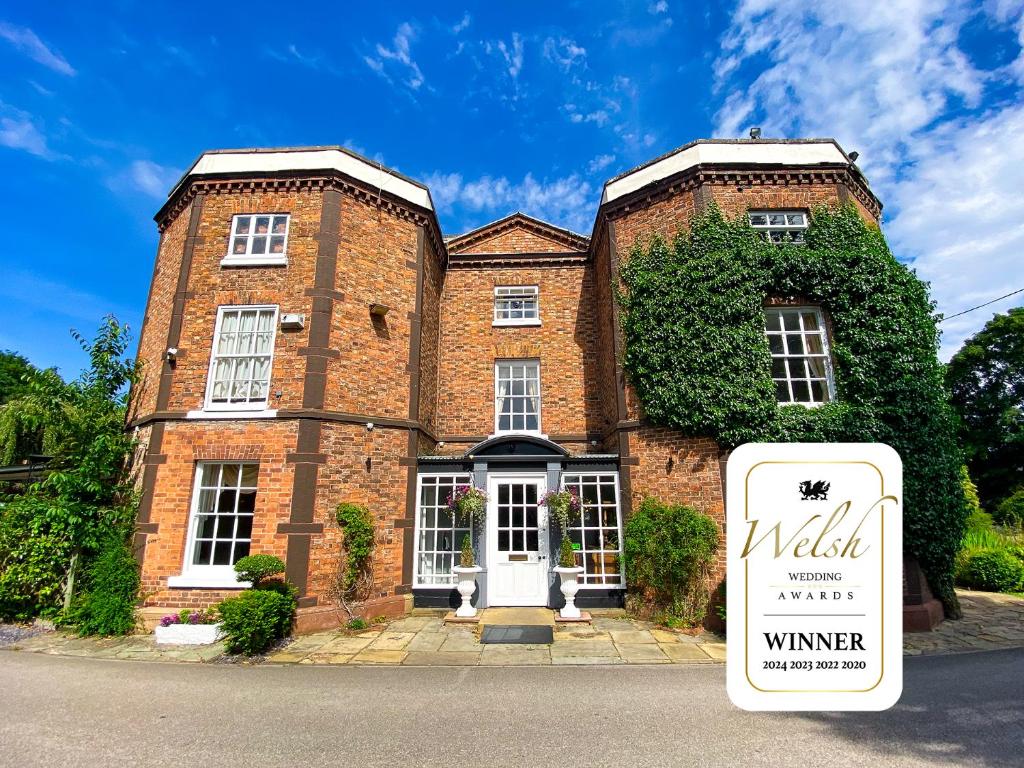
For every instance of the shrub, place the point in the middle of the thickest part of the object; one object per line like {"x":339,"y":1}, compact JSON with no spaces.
{"x":995,"y":570}
{"x":107,"y":606}
{"x":567,"y":555}
{"x":668,"y":552}
{"x":467,"y":559}
{"x":357,"y":523}
{"x":255,"y":619}
{"x":256,"y":568}
{"x":357,"y":624}
{"x":1010,"y":511}
{"x":34,"y":559}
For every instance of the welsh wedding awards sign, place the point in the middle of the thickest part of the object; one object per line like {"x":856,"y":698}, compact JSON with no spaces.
{"x":815,"y":581}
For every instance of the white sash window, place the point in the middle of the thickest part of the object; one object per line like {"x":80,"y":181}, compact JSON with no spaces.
{"x":517,"y":396}
{"x":801,"y":365}
{"x":243,"y":351}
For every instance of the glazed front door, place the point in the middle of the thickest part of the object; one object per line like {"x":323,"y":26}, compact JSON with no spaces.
{"x":517,"y":535}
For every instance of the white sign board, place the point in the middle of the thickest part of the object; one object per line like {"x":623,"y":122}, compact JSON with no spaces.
{"x":815,"y":580}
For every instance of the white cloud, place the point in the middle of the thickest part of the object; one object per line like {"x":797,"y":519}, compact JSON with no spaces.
{"x":892,"y":82}
{"x":147,"y":177}
{"x":18,"y":130}
{"x":659,"y":7}
{"x":513,"y":53}
{"x":568,"y":201}
{"x":565,"y":52}
{"x":463,"y":24}
{"x":400,"y":54}
{"x":26,"y":41}
{"x":600,"y":162}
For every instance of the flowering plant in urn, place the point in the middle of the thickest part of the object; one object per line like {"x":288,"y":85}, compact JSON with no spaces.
{"x":468,"y":502}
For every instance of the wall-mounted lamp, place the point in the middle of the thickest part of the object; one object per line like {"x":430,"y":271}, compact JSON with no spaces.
{"x":854,"y":156}
{"x":171,"y":355}
{"x":369,"y":426}
{"x":755,"y":133}
{"x":379,"y":310}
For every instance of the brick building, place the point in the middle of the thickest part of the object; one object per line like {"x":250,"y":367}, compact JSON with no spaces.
{"x":312,"y":337}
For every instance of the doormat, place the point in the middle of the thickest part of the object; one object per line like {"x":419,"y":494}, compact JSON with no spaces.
{"x":517,"y":634}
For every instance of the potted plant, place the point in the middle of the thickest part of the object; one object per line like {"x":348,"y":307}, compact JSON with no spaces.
{"x":189,"y":628}
{"x":469,"y":503}
{"x":563,"y":506}
{"x":466,"y":571}
{"x":568,"y":572}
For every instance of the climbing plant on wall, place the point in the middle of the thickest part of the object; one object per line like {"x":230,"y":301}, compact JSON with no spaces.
{"x":696,"y":353}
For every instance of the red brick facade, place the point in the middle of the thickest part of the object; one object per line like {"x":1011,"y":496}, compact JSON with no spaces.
{"x":422,"y":373}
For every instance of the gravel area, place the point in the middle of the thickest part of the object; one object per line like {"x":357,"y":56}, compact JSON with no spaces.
{"x":13,"y":633}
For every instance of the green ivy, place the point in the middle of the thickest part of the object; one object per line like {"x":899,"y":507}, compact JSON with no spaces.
{"x":696,"y":353}
{"x":357,"y":524}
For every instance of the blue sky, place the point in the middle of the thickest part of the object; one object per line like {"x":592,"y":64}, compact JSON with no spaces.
{"x":497,"y":107}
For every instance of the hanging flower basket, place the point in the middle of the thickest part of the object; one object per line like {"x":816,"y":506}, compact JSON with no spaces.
{"x":468,"y":503}
{"x":563,"y":506}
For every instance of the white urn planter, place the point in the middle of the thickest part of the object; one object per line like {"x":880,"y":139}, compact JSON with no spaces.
{"x":188,"y":634}
{"x":570,"y":586}
{"x":466,"y":586}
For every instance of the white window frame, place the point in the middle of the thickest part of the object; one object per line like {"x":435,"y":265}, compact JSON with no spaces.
{"x":796,"y":230}
{"x":209,"y":576}
{"x":208,"y":404}
{"x":498,"y":398}
{"x":249,"y":259}
{"x":510,"y":293}
{"x":418,"y":528}
{"x":618,"y":518}
{"x":825,"y":355}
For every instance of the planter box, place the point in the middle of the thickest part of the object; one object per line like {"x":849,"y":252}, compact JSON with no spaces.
{"x":188,"y":634}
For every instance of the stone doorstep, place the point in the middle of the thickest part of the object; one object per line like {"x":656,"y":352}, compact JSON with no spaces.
{"x":584,"y":618}
{"x":451,"y":618}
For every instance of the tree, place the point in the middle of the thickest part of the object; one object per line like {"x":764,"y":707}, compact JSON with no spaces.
{"x":87,"y":497}
{"x":15,"y":369}
{"x":986,"y":381}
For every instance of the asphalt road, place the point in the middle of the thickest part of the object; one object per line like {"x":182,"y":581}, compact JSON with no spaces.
{"x":956,"y":710}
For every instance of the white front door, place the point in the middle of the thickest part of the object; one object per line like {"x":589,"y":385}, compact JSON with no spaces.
{"x":517,"y":536}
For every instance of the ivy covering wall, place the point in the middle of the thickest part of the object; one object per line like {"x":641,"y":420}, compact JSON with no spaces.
{"x":696,"y":353}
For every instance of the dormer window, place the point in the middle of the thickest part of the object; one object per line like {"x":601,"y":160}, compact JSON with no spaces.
{"x":780,"y":226}
{"x":516,"y":305}
{"x":801,"y":365}
{"x":258,"y":239}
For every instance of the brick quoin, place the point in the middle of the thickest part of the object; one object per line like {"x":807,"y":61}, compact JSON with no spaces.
{"x":423,"y":373}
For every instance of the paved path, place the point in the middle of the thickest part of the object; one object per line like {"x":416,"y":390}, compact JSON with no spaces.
{"x":991,"y":621}
{"x":958,"y":710}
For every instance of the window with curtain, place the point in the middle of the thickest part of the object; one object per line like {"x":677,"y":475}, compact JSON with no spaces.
{"x":439,"y":534}
{"x":243,"y":350}
{"x":598,"y":530}
{"x":517,"y":396}
{"x":801,"y":367}
{"x":516,"y":305}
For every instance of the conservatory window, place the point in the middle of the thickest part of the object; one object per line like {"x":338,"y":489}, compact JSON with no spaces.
{"x":439,"y":533}
{"x":598,"y":529}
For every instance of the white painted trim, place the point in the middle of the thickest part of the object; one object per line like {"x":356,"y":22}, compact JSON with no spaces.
{"x":206,"y":581}
{"x":254,"y":261}
{"x":516,"y":323}
{"x":237,"y":415}
{"x":830,"y":378}
{"x":754,"y":152}
{"x":233,"y":408}
{"x":259,"y":258}
{"x":375,"y":176}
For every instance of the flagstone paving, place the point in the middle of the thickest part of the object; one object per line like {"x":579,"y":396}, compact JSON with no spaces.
{"x":990,"y":621}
